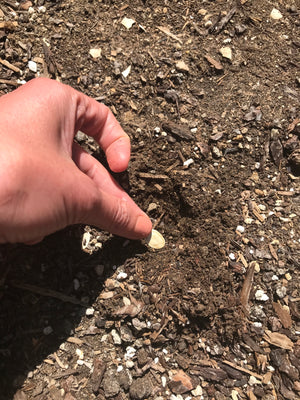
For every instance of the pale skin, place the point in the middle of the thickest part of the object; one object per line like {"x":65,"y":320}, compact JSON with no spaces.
{"x":47,"y":181}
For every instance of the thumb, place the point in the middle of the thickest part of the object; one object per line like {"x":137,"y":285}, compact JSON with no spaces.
{"x":103,"y":203}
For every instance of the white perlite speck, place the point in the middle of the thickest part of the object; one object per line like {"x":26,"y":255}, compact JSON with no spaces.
{"x":261,"y":295}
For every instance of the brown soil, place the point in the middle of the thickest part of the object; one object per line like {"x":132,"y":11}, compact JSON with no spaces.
{"x":193,"y":305}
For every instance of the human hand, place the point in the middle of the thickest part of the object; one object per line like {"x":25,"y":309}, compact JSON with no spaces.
{"x":47,"y":181}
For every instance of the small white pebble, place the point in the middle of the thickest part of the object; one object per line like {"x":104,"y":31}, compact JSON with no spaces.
{"x":130,"y":352}
{"x":119,"y":368}
{"x":275,"y":278}
{"x":163,"y":381}
{"x":79,"y":354}
{"x":275,"y":14}
{"x":89,"y":311}
{"x":157,"y":129}
{"x":194,"y":130}
{"x":240,"y":228}
{"x":232,"y":256}
{"x":188,"y":162}
{"x":47,"y":330}
{"x":121,"y":276}
{"x":129,"y":364}
{"x":42,"y":9}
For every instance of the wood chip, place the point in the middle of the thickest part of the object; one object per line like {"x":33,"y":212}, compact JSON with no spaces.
{"x":283,"y":314}
{"x":273,"y":252}
{"x":147,"y":175}
{"x":214,"y":63}
{"x":10,"y":66}
{"x":75,"y":340}
{"x":247,"y":371}
{"x":245,"y":292}
{"x":8,"y":25}
{"x":179,"y":131}
{"x":278,"y":339}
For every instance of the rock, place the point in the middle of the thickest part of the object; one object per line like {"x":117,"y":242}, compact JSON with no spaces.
{"x":226,"y":52}
{"x":197,"y":391}
{"x":181,"y":66}
{"x":110,"y":383}
{"x":116,"y":337}
{"x":141,"y":388}
{"x":124,"y":379}
{"x":139,"y":325}
{"x":142,"y":357}
{"x":95,"y":53}
{"x":275,"y":14}
{"x":281,"y":291}
{"x":126,"y":334}
{"x":127,"y":22}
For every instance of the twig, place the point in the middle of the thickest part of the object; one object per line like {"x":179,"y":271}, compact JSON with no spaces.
{"x":65,"y":373}
{"x":167,"y":32}
{"x":158,"y":219}
{"x":247,"y":371}
{"x":46,"y":292}
{"x":245,"y":292}
{"x":12,"y":83}
{"x":10,"y":66}
{"x":146,"y":175}
{"x":223,"y":21}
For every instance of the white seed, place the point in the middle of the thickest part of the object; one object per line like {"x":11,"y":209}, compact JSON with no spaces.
{"x":155,"y":240}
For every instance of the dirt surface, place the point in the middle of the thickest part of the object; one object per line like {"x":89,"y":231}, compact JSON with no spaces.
{"x":209,"y":93}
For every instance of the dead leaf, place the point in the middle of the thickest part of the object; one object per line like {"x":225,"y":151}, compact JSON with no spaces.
{"x":131,"y":310}
{"x":278,"y":339}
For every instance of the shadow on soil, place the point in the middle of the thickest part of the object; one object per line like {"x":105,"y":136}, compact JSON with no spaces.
{"x":34,"y":324}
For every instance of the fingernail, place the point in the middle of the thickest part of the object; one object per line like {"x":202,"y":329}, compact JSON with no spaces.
{"x":143,"y":226}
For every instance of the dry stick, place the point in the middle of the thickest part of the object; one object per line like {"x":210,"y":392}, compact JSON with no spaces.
{"x":47,"y":292}
{"x":245,"y":292}
{"x":223,"y":21}
{"x":12,"y":83}
{"x":10,"y":66}
{"x":247,"y":371}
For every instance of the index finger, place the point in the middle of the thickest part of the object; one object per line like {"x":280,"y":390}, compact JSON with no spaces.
{"x":96,"y":120}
